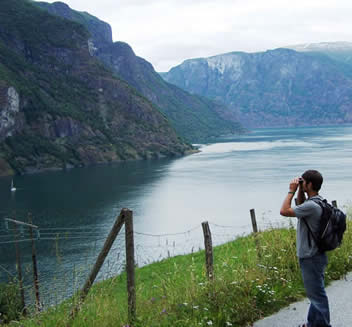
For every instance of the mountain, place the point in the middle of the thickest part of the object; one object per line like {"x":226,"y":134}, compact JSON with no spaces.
{"x":99,"y":31}
{"x":340,"y":51}
{"x":60,"y":107}
{"x":280,"y":87}
{"x":195,"y":118}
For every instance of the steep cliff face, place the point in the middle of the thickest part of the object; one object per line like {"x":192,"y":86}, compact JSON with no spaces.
{"x":193,"y":117}
{"x":275,"y":88}
{"x":9,"y":111}
{"x":59,"y":107}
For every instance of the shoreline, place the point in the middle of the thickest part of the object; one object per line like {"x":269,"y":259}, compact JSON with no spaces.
{"x":69,"y":167}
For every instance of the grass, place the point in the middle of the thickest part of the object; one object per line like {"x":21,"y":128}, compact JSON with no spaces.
{"x":250,"y":282}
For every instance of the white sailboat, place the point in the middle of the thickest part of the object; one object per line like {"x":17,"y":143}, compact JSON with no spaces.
{"x":13,"y":189}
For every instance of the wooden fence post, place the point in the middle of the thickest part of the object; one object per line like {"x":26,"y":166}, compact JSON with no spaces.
{"x":34,"y":261}
{"x":255,"y":232}
{"x":334,"y":203}
{"x":254,"y":221}
{"x":18,"y":257}
{"x":100,"y":260}
{"x":208,"y":250}
{"x":131,"y":288}
{"x":19,"y":271}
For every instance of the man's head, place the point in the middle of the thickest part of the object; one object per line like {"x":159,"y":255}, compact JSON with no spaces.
{"x":314,"y":177}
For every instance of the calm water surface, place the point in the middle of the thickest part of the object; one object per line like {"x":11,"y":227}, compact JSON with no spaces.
{"x":220,"y":184}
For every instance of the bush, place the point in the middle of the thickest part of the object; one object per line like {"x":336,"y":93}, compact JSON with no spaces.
{"x":10,"y":302}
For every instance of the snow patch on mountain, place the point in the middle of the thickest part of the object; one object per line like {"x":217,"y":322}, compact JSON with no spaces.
{"x":322,"y":46}
{"x":288,"y":70}
{"x":227,"y":62}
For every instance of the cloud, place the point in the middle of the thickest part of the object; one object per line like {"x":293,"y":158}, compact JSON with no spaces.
{"x":166,"y":32}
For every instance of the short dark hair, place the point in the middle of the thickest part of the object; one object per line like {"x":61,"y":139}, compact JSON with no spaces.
{"x":314,"y":177}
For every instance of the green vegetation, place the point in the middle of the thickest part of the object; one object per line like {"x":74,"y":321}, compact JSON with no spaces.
{"x":92,"y":24}
{"x":195,"y":117}
{"x":10,"y":302}
{"x":250,"y":283}
{"x":24,"y":21}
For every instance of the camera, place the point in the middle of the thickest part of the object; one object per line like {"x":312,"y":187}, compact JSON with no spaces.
{"x":300,"y":180}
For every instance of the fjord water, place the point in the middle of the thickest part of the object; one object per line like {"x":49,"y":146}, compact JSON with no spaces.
{"x":220,"y":184}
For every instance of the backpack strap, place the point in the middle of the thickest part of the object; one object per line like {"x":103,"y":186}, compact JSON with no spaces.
{"x":319,"y":201}
{"x":310,"y":232}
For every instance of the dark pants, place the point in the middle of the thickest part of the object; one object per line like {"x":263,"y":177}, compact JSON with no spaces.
{"x":313,"y":278}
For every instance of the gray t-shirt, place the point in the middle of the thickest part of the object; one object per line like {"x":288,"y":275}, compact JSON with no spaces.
{"x":311,"y":211}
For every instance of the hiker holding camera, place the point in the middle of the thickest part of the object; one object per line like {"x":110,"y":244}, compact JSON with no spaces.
{"x":312,"y":258}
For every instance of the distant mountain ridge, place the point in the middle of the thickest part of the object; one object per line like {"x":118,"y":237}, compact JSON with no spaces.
{"x":322,"y":46}
{"x":192,"y":116}
{"x":340,"y":51}
{"x":280,"y":87}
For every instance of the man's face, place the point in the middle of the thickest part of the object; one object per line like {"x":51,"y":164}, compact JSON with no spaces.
{"x":305,"y":185}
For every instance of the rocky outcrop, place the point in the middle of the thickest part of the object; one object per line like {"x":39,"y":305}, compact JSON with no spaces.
{"x":10,"y":118}
{"x":274,"y":88}
{"x":10,"y":108}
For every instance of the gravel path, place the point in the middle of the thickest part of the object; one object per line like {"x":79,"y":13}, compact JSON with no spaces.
{"x":340,"y":300}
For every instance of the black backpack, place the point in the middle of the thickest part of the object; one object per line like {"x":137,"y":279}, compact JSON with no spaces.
{"x":331,"y":228}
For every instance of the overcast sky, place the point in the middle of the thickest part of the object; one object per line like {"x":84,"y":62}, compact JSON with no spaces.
{"x":167,"y":32}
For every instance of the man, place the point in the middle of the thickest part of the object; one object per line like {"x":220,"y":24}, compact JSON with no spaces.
{"x":312,"y":261}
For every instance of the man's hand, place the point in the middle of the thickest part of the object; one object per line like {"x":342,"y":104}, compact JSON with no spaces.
{"x":294,"y":184}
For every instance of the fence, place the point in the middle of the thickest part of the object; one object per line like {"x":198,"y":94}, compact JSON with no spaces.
{"x":75,"y":267}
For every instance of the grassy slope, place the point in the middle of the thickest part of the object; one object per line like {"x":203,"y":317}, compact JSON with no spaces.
{"x":175,"y":292}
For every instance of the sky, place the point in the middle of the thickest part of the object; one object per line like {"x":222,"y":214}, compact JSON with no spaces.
{"x":167,"y":32}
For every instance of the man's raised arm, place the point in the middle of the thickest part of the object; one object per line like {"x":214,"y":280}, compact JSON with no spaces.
{"x":286,"y":209}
